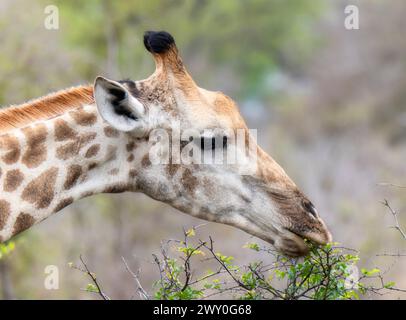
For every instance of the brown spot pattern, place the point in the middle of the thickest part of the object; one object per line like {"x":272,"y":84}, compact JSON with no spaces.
{"x":72,"y":148}
{"x":40,"y":191}
{"x":84,"y":118}
{"x":63,"y":131}
{"x":110,"y":132}
{"x":145,"y":162}
{"x":4,"y":213}
{"x":12,"y":180}
{"x":74,"y":172}
{"x":130,"y":146}
{"x":63,"y":203}
{"x":133,"y":173}
{"x":171,"y":169}
{"x":91,"y":166}
{"x":23,"y":222}
{"x":130,"y":158}
{"x":92,"y":151}
{"x":189,"y":181}
{"x":117,"y":188}
{"x":36,"y":151}
{"x":12,"y":147}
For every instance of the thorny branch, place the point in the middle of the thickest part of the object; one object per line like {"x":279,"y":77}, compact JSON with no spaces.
{"x":143,"y":293}
{"x":189,"y":254}
{"x":328,"y":265}
{"x":395,"y":217}
{"x":223,"y":265}
{"x":93,"y":278}
{"x":324,"y":265}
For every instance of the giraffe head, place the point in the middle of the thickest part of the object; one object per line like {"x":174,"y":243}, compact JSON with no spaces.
{"x":187,"y":122}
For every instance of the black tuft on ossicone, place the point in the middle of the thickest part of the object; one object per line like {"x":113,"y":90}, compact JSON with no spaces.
{"x":158,"y":41}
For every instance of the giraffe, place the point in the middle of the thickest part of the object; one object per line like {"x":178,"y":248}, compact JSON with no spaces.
{"x":96,"y":139}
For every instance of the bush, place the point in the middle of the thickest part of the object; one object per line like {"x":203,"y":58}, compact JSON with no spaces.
{"x":327,"y":273}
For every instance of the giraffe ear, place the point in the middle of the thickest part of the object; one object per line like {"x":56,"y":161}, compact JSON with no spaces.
{"x":117,"y":106}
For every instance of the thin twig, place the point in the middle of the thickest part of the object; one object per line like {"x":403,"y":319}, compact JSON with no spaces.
{"x":391,"y":255}
{"x":94,"y":280}
{"x":385,"y":184}
{"x":143,"y":294}
{"x":242,"y":285}
{"x":395,"y":217}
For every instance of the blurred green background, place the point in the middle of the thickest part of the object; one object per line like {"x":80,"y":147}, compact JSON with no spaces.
{"x":329,"y":105}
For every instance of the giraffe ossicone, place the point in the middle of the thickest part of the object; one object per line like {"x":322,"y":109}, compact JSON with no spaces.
{"x":163,"y":136}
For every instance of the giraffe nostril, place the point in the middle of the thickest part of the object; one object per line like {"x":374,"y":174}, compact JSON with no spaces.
{"x":310,"y":208}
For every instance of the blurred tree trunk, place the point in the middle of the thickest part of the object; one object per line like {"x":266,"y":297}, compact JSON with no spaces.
{"x":6,"y":287}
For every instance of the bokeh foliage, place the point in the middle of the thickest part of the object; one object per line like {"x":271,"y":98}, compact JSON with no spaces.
{"x":337,"y":124}
{"x":250,"y":38}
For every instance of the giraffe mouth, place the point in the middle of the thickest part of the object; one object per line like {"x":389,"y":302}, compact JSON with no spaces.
{"x":292,"y":244}
{"x":314,"y":237}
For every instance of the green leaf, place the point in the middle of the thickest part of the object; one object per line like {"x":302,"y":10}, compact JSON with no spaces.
{"x":191,"y":232}
{"x":252,"y":246}
{"x":389,"y":285}
{"x":91,"y":288}
{"x":371,"y":272}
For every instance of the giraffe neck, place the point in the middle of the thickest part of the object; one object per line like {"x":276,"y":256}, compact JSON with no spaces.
{"x":49,"y":164}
